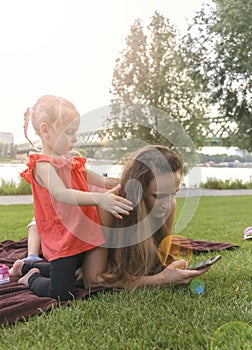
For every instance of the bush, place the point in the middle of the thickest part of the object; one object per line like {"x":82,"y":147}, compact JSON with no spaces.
{"x":215,"y":184}
{"x":13,"y":189}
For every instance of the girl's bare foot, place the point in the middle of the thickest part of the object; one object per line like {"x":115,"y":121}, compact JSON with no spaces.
{"x":16,"y":269}
{"x":24,"y":279}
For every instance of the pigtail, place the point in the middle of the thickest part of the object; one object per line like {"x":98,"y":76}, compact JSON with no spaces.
{"x":27,"y":117}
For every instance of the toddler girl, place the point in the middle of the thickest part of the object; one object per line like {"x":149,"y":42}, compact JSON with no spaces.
{"x":66,"y":212}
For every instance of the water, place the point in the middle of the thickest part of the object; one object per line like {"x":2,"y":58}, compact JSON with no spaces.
{"x":197,"y":175}
{"x":11,"y":172}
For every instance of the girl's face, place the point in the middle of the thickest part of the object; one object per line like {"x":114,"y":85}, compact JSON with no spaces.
{"x":159,"y":197}
{"x":63,"y":137}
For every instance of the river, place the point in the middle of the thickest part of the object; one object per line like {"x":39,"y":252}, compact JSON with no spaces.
{"x":197,"y":175}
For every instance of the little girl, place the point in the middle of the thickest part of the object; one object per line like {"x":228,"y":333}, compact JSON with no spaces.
{"x":65,"y":211}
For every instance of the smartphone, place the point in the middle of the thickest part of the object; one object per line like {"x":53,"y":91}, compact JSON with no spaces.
{"x":205,"y":263}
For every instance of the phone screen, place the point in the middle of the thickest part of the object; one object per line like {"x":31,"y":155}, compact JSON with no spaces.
{"x":205,"y":263}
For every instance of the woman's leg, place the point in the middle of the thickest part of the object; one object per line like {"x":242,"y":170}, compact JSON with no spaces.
{"x":95,"y":260}
{"x":94,"y":264}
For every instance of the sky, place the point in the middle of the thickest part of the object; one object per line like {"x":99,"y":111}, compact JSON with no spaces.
{"x":68,"y":48}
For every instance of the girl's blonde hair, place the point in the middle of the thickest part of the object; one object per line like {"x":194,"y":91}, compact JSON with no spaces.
{"x":141,"y":258}
{"x":50,"y":109}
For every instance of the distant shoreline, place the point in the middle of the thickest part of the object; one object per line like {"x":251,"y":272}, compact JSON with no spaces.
{"x":182,"y":193}
{"x":108,"y":161}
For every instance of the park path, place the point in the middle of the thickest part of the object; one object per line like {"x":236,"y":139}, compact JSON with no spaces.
{"x":6,"y":200}
{"x":183,"y":192}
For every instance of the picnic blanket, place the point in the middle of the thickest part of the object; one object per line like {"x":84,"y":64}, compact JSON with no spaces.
{"x":17,"y":302}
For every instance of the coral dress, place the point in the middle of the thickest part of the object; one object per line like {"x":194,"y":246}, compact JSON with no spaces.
{"x":65,"y":230}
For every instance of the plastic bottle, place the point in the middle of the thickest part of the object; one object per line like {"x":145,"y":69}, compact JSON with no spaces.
{"x":4,"y":274}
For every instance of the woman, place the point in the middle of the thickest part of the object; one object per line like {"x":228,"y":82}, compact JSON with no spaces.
{"x":150,"y":180}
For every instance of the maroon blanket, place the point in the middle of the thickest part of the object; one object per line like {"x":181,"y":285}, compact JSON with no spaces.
{"x":185,"y":244}
{"x":17,"y":302}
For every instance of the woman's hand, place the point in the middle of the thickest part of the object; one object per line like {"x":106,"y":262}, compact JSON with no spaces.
{"x":113,"y":203}
{"x":176,"y":273}
{"x":78,"y":274}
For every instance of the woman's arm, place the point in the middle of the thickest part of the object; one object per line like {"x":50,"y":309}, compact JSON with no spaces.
{"x":173,"y":275}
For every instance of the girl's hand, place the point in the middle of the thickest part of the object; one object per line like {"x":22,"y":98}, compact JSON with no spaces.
{"x":176,"y":273}
{"x":114,"y":204}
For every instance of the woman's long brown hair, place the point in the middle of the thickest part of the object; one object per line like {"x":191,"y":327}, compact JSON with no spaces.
{"x":139,"y":259}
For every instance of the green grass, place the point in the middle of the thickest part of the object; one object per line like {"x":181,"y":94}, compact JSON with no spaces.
{"x":13,"y":221}
{"x":220,"y":318}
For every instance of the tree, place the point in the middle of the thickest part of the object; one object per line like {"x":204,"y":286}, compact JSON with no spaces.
{"x":151,"y":87}
{"x":221,"y":47}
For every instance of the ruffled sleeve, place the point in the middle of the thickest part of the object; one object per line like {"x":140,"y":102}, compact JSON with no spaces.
{"x":27,"y":174}
{"x":77,"y":163}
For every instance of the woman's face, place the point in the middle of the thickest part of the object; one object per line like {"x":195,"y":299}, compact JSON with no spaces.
{"x":159,"y":196}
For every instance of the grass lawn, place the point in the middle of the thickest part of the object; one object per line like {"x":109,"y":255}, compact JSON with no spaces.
{"x":169,"y":318}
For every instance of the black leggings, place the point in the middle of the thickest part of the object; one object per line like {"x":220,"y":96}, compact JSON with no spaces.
{"x":56,"y":279}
